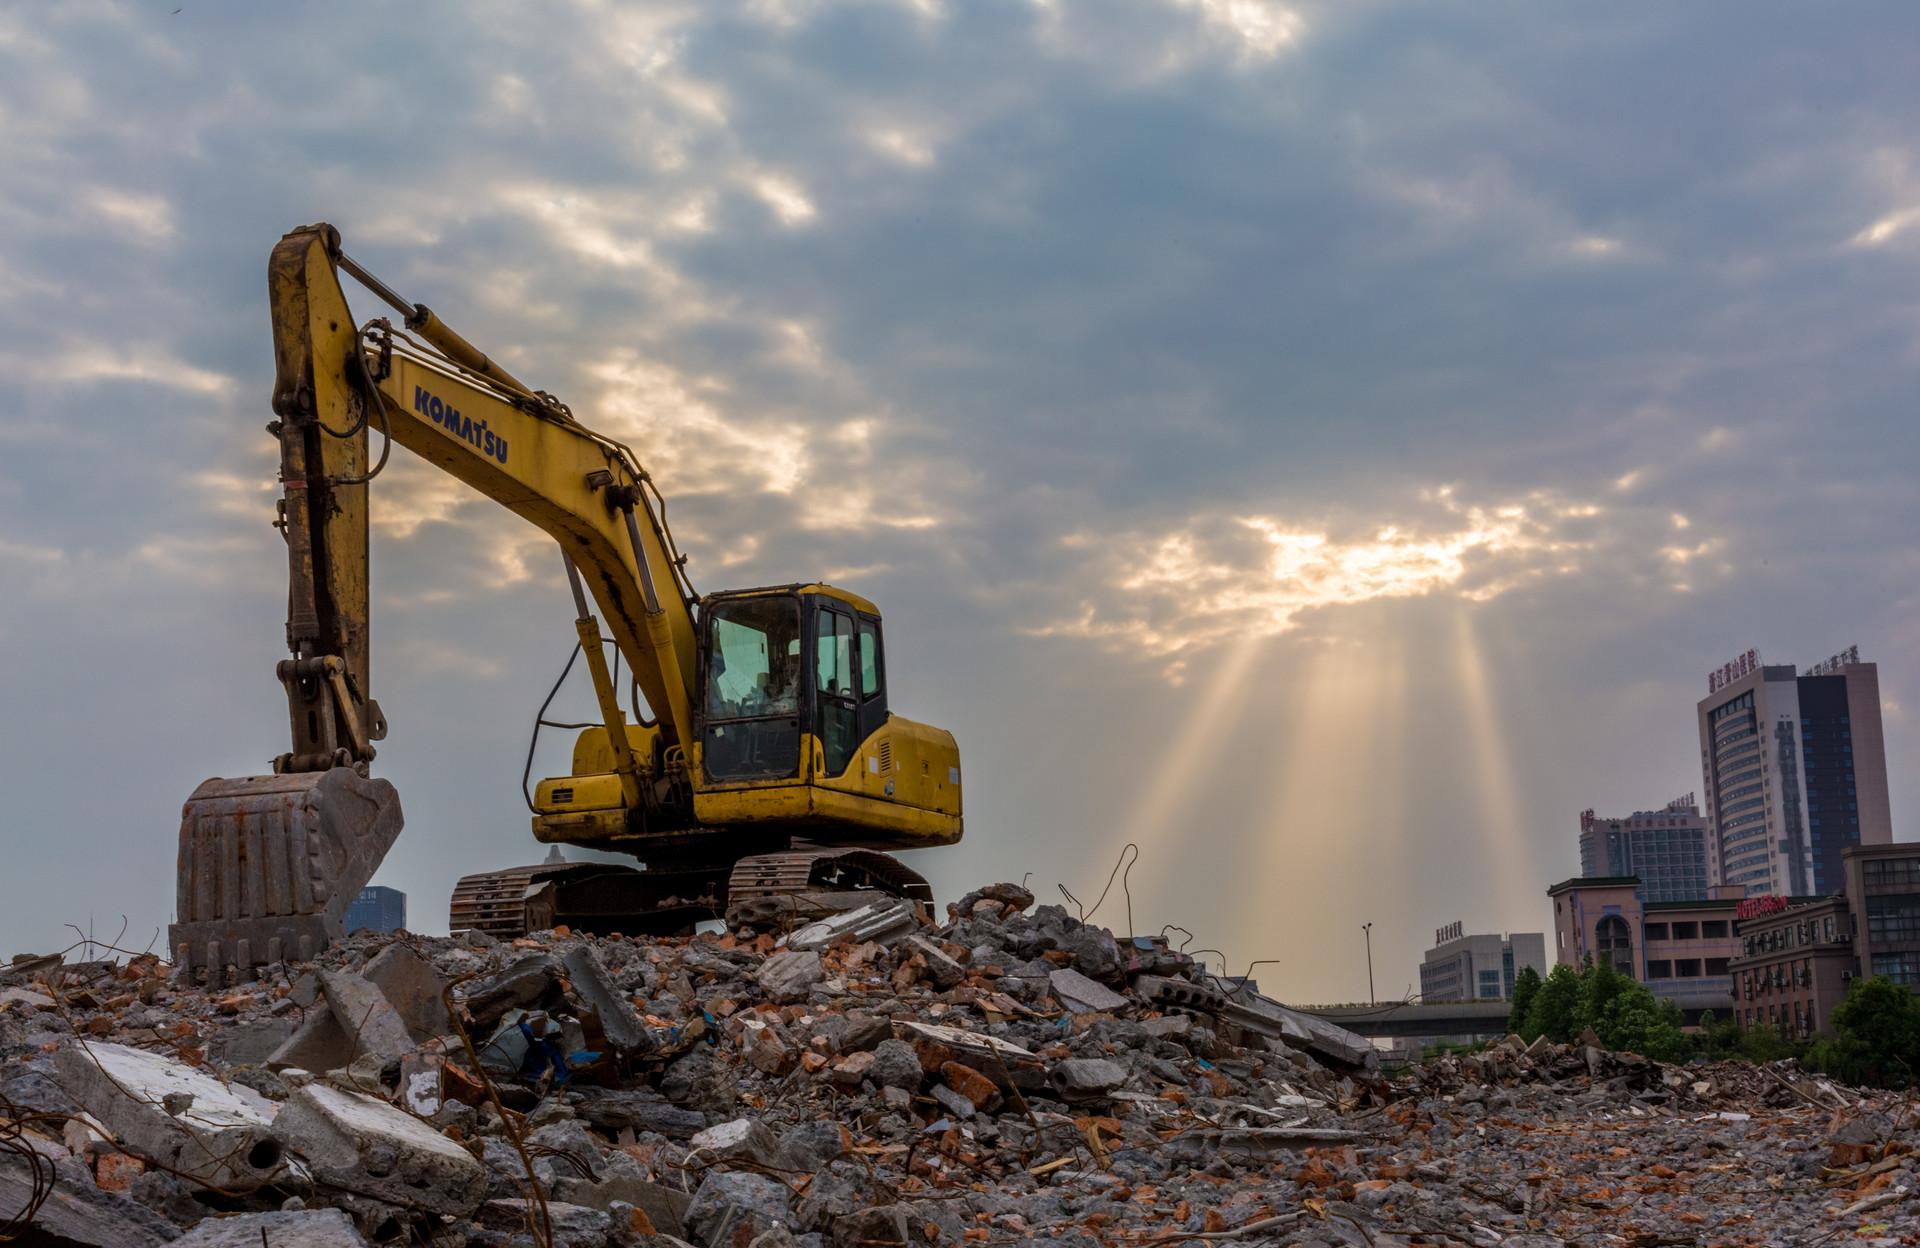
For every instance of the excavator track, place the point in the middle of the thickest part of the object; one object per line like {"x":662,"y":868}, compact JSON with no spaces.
{"x":606,"y":897}
{"x":807,"y":869}
{"x":588,"y":896}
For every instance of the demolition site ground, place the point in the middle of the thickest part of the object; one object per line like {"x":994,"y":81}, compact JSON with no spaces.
{"x":1012,"y":1076}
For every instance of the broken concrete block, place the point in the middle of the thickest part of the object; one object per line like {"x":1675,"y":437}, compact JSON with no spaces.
{"x":618,"y":1021}
{"x":636,"y":1109}
{"x":743,"y":1139}
{"x":318,"y":1043}
{"x":251,"y":1044}
{"x":953,"y":1102}
{"x":1168,"y":1026}
{"x":811,"y":1145}
{"x":75,"y":1211}
{"x":366,"y":1015}
{"x":883,"y":921}
{"x":1079,"y":995}
{"x":1086,"y":1078}
{"x":525,"y":984}
{"x":363,"y":1145}
{"x":877,"y":1226}
{"x":665,"y":1207}
{"x":173,"y":1114}
{"x":896,"y":1065}
{"x":762,"y":1044}
{"x":942,"y":969}
{"x":421,"y":1090}
{"x":411,"y":986}
{"x":298,"y":1228}
{"x":573,"y":1226}
{"x":733,"y":1208}
{"x":787,"y":977}
{"x":1002,"y":1061}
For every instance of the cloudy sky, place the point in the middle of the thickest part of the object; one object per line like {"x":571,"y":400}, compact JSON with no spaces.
{"x":1324,"y":444}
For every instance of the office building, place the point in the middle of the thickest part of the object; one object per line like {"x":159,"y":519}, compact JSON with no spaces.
{"x":1666,"y":849}
{"x":1883,"y":887}
{"x":1679,"y":949}
{"x":1795,"y":772}
{"x":1795,"y":964}
{"x":1460,"y":967}
{"x":378,"y":909}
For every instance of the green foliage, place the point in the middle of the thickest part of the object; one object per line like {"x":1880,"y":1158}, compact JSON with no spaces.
{"x":1620,"y":1011}
{"x":1554,"y":1012}
{"x":1526,"y":986}
{"x":1876,"y":1036}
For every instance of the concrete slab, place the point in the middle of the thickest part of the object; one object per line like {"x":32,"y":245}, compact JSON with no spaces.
{"x":364,"y":1012}
{"x":615,"y":1013}
{"x":174,"y":1114}
{"x":1079,"y":995}
{"x":882,"y":921}
{"x":367,"y":1146}
{"x":409,"y":982}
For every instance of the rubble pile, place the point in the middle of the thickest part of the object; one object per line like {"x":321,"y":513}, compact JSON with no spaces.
{"x":1013,"y":1076}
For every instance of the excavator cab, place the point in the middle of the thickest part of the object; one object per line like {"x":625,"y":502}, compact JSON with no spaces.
{"x":781,"y":666}
{"x":792,"y":738}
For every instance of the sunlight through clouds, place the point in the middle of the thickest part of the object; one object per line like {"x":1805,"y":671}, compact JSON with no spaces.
{"x":1221,"y":576}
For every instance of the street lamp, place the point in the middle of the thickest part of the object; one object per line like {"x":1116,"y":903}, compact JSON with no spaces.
{"x":1368,"y":929}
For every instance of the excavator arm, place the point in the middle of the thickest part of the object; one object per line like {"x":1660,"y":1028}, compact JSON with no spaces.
{"x":442,"y":399}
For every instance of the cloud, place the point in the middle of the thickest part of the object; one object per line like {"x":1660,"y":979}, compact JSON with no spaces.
{"x":1220,"y":576}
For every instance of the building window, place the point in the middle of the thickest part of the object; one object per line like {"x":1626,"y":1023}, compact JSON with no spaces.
{"x":1714,"y":929}
{"x":1656,"y":931}
{"x":1686,"y":931}
{"x":1659,"y":970}
{"x":1613,"y":943}
{"x":1895,"y":918}
{"x":1687,"y":968}
{"x":1716,"y":966}
{"x":1901,"y":968}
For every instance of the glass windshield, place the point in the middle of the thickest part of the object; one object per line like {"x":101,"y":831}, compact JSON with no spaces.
{"x":835,"y":666}
{"x":754,"y":665}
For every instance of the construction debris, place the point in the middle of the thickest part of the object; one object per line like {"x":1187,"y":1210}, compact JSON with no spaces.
{"x":1012,"y":1077}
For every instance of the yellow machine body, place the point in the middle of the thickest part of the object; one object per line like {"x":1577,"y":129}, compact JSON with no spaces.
{"x":731,"y":762}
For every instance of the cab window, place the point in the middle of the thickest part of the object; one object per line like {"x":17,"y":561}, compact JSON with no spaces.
{"x":869,"y":658}
{"x":834,"y":668}
{"x":755,"y":659}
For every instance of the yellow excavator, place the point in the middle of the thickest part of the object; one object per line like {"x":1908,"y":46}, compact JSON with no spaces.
{"x":768,"y":761}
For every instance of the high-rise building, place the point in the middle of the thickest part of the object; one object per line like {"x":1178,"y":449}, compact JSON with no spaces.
{"x":1665,"y":849}
{"x":1460,"y":967}
{"x":377,"y":908}
{"x":1795,"y":771}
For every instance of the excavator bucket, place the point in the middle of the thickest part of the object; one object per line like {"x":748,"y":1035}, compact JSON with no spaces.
{"x":269,"y":865}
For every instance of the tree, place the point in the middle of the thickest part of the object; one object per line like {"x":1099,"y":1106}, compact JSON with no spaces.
{"x":1555,"y":1008}
{"x":1876,"y":1036}
{"x":1600,"y":986}
{"x":1634,"y":1020}
{"x":1526,"y":986}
